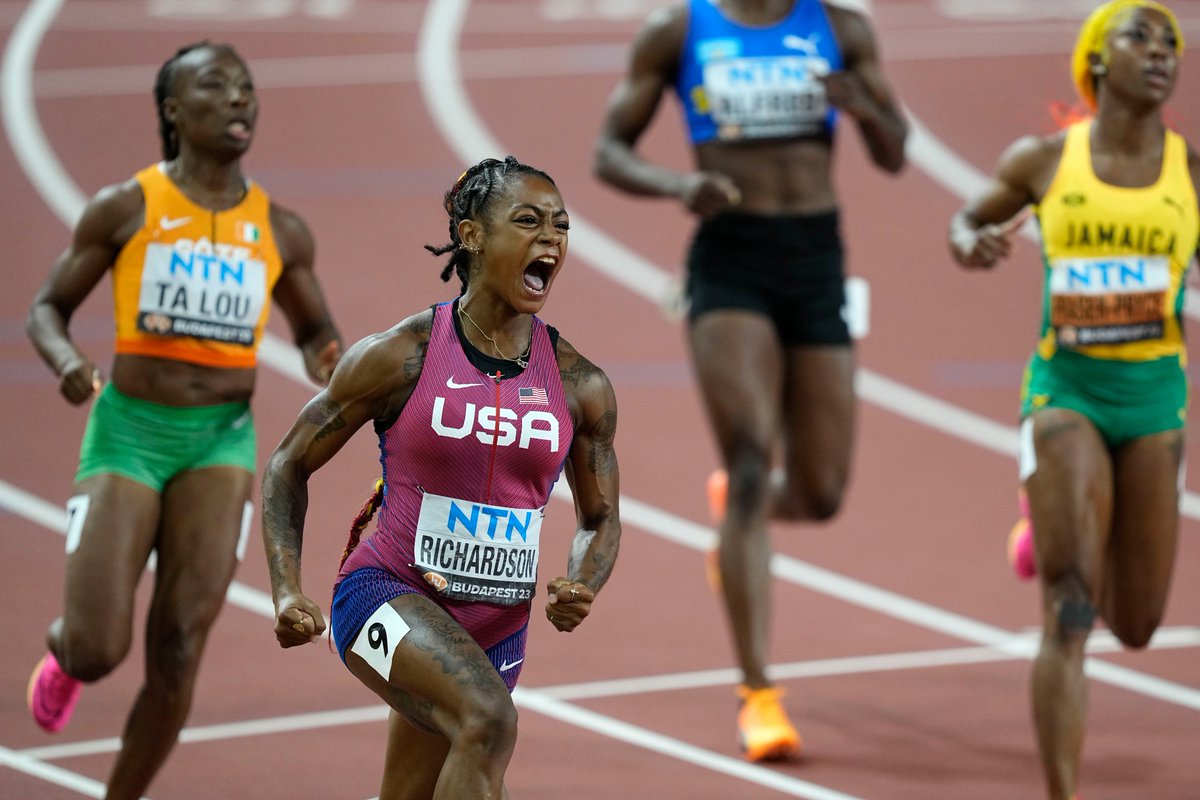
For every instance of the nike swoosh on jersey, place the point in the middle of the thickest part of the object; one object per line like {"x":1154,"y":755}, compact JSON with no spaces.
{"x":450,"y":383}
{"x":505,"y":666}
{"x":166,"y":223}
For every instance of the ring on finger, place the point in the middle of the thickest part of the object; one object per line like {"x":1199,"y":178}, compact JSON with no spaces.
{"x":574,"y":594}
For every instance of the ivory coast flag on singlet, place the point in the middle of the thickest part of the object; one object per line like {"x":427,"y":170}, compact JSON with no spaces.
{"x":195,"y":284}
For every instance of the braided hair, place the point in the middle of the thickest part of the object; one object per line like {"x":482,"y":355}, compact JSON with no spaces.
{"x":471,"y":197}
{"x":162,"y":90}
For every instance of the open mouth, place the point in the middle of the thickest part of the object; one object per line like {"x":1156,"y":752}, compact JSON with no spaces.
{"x":537,"y":274}
{"x":239,"y":129}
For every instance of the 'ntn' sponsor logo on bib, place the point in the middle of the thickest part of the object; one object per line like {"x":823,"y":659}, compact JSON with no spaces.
{"x":463,"y":518}
{"x":1104,"y":275}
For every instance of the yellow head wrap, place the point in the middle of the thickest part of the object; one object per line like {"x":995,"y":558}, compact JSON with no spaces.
{"x":1092,"y":40}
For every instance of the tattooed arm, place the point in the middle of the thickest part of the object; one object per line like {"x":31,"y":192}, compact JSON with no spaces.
{"x":591,"y":472}
{"x":371,"y":382}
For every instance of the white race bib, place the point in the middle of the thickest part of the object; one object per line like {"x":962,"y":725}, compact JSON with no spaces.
{"x":1112,"y":300}
{"x":766,"y":96}
{"x":473,"y":551}
{"x":192,"y":289}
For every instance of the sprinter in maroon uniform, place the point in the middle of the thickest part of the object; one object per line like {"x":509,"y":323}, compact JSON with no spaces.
{"x":478,"y":406}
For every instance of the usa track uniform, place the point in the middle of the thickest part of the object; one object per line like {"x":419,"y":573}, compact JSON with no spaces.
{"x":1115,"y":259}
{"x":467,"y":469}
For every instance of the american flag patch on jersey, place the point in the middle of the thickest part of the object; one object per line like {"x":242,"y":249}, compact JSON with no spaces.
{"x":532,"y":395}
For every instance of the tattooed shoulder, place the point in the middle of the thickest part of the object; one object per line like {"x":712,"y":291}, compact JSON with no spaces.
{"x":321,"y":410}
{"x":418,"y":323}
{"x":573,"y":367}
{"x":416,"y":330}
{"x":325,"y":414}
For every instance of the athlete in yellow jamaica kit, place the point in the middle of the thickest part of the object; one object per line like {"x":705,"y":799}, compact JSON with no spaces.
{"x":1104,"y":396}
{"x":197,"y":252}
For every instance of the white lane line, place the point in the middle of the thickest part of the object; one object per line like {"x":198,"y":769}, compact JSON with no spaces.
{"x":289,"y":723}
{"x":359,"y":69}
{"x":1100,"y":642}
{"x":20,"y":117}
{"x":864,"y":595}
{"x":1023,"y":646}
{"x":382,"y":69}
{"x":531,"y":699}
{"x":50,"y":773}
{"x":673,"y":748}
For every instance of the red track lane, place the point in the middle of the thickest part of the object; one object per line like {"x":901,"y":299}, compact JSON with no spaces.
{"x":347,"y":140}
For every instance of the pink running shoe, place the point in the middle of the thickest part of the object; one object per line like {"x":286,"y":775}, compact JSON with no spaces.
{"x":1020,"y":542}
{"x":52,"y":694}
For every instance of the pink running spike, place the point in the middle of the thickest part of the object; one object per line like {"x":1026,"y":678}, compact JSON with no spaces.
{"x":52,"y":694}
{"x":1020,"y":541}
{"x":1020,"y":550}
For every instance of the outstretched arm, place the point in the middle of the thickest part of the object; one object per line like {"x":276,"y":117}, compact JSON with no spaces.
{"x":300,"y":298}
{"x":372,"y":382}
{"x":592,"y":474}
{"x":979,"y":232}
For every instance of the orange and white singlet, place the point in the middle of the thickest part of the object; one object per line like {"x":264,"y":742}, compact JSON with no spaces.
{"x":195,"y":284}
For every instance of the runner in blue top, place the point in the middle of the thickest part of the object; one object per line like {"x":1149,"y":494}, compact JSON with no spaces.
{"x":761,"y":85}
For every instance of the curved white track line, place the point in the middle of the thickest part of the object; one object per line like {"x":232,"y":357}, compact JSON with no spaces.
{"x":20,"y":115}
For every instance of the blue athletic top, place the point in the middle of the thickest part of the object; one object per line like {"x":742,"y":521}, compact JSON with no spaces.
{"x":739,"y":82}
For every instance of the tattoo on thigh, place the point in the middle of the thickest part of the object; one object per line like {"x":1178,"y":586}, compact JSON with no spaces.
{"x":447,"y":643}
{"x":418,"y":711}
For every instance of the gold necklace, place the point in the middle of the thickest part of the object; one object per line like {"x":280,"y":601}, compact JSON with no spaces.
{"x":522,"y":360}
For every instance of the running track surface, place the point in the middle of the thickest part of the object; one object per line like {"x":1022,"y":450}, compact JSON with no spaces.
{"x":899,"y":632}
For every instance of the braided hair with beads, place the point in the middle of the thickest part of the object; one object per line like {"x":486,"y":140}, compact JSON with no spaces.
{"x":471,"y":197}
